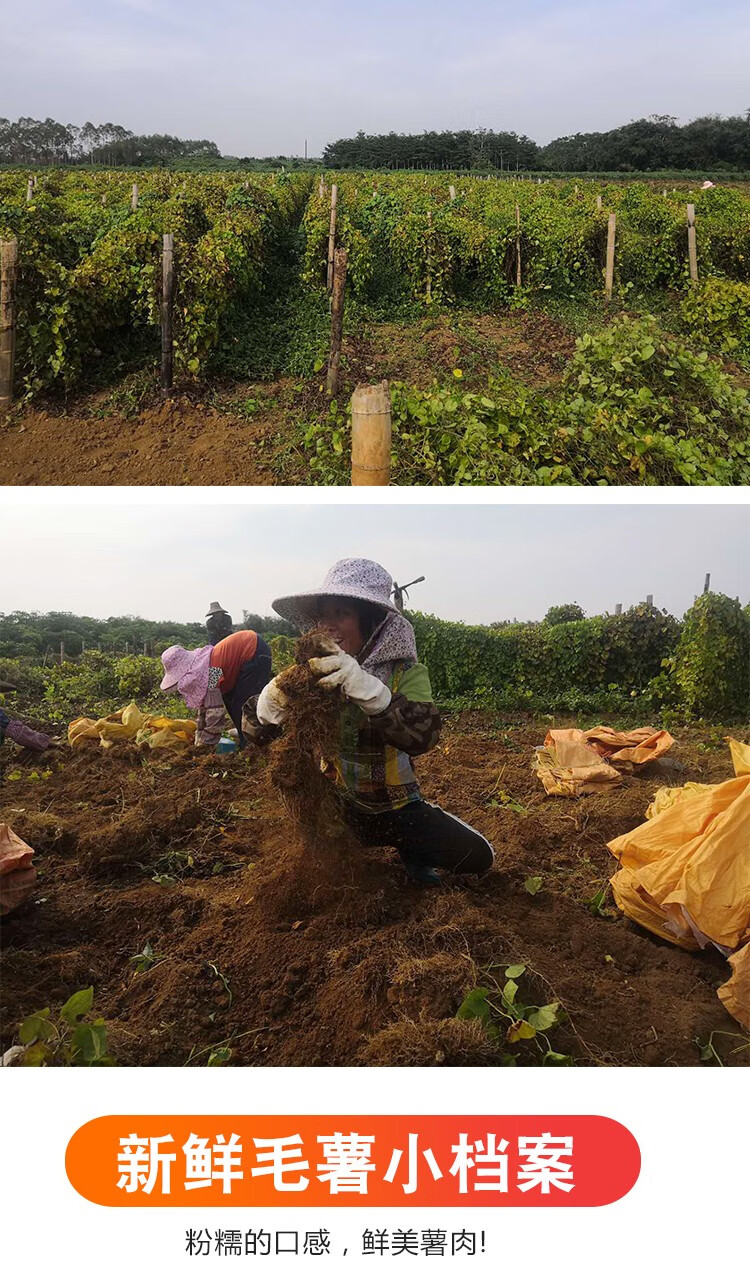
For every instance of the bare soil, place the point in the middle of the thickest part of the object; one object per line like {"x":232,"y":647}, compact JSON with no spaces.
{"x":347,"y":966}
{"x":206,"y":437}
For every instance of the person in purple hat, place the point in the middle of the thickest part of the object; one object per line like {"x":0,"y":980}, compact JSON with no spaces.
{"x":388,"y":717}
{"x":216,"y":679}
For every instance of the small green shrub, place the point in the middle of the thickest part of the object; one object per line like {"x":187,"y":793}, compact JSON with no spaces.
{"x":712,"y":662}
{"x":563,"y":613}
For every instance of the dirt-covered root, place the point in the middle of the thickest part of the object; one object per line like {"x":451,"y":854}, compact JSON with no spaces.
{"x":43,"y":831}
{"x":430,"y":1044}
{"x":431,"y":987}
{"x":310,"y":736}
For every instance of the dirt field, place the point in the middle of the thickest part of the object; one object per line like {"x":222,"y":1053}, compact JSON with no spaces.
{"x":205,"y":435}
{"x":288,"y":967}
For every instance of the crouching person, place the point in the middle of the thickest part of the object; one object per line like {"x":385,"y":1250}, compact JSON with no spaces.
{"x":217,"y":679}
{"x":388,"y":717}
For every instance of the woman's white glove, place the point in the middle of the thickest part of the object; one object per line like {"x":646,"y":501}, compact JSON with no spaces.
{"x":273,"y":706}
{"x":340,"y":670}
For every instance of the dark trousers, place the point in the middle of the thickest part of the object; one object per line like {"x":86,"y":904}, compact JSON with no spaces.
{"x":252,"y":679}
{"x":424,"y":833}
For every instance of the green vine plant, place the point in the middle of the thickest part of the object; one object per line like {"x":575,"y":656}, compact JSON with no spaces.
{"x":75,"y":1038}
{"x":511,"y":1023}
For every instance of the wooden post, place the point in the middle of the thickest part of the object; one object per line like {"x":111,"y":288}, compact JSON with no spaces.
{"x":371,"y":434}
{"x":707,"y":584}
{"x":664,"y":192}
{"x":29,"y":189}
{"x":134,"y":197}
{"x":167,"y":301}
{"x":62,"y":652}
{"x":452,"y":192}
{"x":145,"y":648}
{"x":8,"y":283}
{"x":598,"y":202}
{"x":337,"y":320}
{"x":321,"y":188}
{"x":611,"y":233}
{"x":429,"y":258}
{"x":332,"y":237}
{"x":518,"y":245}
{"x":104,"y":200}
{"x":692,"y":243}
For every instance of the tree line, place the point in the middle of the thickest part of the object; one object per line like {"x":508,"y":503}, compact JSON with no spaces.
{"x":659,"y":143}
{"x":46,"y":142}
{"x":710,"y":143}
{"x":34,"y":634}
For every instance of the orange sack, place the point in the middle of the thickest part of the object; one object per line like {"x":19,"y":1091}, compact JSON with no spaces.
{"x":17,"y":874}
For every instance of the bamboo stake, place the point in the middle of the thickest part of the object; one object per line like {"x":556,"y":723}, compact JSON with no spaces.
{"x":8,"y":284}
{"x":452,"y":192}
{"x":518,"y":245}
{"x":337,"y":320}
{"x":692,"y":243}
{"x":371,"y":434}
{"x":611,"y":233}
{"x":167,"y":302}
{"x":62,"y":652}
{"x":429,"y":258}
{"x":332,"y":237}
{"x":134,"y":197}
{"x":598,"y":202}
{"x":29,"y":189}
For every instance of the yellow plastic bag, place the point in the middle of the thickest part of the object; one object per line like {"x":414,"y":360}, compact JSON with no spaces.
{"x":130,"y":724}
{"x":685,"y":873}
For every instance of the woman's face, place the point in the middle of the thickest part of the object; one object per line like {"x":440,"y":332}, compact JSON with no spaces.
{"x":339,"y":618}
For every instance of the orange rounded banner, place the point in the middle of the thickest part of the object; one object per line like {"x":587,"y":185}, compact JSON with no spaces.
{"x":388,"y":1161}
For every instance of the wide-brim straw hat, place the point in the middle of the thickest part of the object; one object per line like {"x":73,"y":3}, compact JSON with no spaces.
{"x":215,"y":607}
{"x":351,"y":579}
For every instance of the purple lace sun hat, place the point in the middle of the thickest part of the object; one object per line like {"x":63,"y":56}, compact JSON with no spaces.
{"x":187,"y":671}
{"x":351,"y":579}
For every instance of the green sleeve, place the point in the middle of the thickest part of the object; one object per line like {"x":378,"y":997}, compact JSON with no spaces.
{"x":415,"y":685}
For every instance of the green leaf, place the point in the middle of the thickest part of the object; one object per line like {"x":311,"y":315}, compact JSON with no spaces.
{"x":35,"y":1026}
{"x":77,"y":1006}
{"x":534,"y":885}
{"x":510,"y":989}
{"x":545,"y":1017}
{"x":515,"y":971}
{"x":221,"y":1055}
{"x":36,"y":1056}
{"x":557,"y":1060}
{"x":475,"y":1005}
{"x":89,"y":1043}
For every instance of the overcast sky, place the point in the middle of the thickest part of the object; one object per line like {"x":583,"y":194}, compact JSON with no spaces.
{"x":481,"y":563}
{"x":259,"y":78}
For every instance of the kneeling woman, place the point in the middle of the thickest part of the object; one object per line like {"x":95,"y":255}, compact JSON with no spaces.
{"x":388,"y":717}
{"x":216,"y":678}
